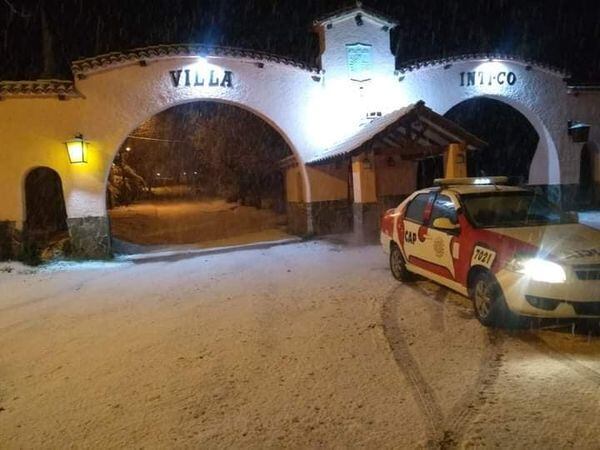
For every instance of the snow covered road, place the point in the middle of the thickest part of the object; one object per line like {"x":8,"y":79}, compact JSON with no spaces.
{"x":304,"y":345}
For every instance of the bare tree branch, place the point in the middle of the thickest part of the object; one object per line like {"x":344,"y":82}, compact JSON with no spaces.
{"x":15,"y":11}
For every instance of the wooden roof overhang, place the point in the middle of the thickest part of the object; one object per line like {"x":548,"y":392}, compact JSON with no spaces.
{"x":415,"y":132}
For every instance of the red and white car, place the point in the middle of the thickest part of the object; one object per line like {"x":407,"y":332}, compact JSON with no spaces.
{"x":510,"y":250}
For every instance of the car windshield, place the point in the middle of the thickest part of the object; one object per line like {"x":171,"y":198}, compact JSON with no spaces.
{"x":512,"y":209}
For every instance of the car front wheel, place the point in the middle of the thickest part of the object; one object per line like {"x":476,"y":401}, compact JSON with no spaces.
{"x":488,"y":302}
{"x":398,"y":265}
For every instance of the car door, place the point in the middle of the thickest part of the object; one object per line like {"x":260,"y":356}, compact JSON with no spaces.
{"x":440,"y":246}
{"x":413,"y":228}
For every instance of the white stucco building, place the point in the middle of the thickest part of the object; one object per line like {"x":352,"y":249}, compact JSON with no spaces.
{"x":315,"y":109}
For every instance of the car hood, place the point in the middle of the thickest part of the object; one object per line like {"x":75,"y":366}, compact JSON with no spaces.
{"x":570,"y":244}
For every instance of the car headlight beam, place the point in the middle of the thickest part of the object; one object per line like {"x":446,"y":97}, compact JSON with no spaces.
{"x":539,"y":269}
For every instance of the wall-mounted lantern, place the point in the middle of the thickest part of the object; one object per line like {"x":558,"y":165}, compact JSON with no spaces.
{"x":578,"y":131}
{"x":77,"y":149}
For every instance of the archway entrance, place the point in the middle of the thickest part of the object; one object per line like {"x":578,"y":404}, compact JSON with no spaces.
{"x":588,"y":192}
{"x":46,"y":215}
{"x":202,"y":174}
{"x":512,"y":139}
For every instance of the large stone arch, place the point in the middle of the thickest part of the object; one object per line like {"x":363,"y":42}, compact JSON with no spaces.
{"x":275,"y":92}
{"x":113,"y":94}
{"x":271,"y":123}
{"x":545,"y":158}
{"x":313,"y":108}
{"x":536,"y":92}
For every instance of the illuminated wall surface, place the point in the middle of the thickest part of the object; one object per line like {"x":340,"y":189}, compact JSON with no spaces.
{"x":312,"y":109}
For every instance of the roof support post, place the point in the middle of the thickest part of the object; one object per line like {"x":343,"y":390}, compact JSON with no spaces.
{"x":365,"y":210}
{"x":363,"y":178}
{"x":455,"y":161}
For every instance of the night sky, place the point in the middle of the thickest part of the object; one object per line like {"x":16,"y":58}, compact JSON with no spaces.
{"x":561,"y":33}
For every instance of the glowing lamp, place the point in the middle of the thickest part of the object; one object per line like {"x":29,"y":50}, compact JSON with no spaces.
{"x":77,"y":149}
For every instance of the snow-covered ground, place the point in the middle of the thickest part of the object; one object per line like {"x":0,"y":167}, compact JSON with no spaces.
{"x":305,"y":345}
{"x":590,"y":218}
{"x":204,"y":224}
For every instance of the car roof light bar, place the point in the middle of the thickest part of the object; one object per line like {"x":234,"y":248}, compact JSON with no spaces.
{"x":470,"y":181}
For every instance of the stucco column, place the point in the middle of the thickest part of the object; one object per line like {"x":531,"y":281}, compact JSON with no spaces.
{"x":365,"y":207}
{"x":455,"y":161}
{"x":297,"y":210}
{"x":85,"y":201}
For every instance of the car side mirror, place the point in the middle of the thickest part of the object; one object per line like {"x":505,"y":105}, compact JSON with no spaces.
{"x":445,"y":224}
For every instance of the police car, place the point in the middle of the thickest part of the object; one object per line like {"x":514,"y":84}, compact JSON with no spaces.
{"x":511,"y":251}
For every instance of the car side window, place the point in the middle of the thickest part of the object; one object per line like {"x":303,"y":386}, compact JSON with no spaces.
{"x":416,"y":208}
{"x":443,"y":207}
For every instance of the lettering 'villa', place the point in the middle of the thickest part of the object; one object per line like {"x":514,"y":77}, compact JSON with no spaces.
{"x":197,"y":78}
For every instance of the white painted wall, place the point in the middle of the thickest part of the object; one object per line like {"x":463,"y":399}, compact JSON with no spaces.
{"x":117,"y":100}
{"x":540,"y":95}
{"x":312,"y":113}
{"x":345,"y":102}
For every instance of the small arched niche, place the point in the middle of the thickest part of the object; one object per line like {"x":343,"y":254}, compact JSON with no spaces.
{"x":45,"y":212}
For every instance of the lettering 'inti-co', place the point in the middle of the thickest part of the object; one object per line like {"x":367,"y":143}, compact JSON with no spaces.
{"x":187,"y":77}
{"x":482,"y":78}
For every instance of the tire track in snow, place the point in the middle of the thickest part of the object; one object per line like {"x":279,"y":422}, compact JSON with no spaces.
{"x":442,"y":432}
{"x":436,"y":300}
{"x":421,"y":391}
{"x":475,"y":399}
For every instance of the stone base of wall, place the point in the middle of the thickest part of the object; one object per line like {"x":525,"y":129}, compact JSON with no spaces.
{"x":331,"y":217}
{"x":324,"y":217}
{"x":10,"y":240}
{"x":366,"y":221}
{"x":297,"y":217}
{"x":90,"y":237}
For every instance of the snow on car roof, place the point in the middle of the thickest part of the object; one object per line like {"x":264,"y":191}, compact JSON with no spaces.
{"x":472,"y":189}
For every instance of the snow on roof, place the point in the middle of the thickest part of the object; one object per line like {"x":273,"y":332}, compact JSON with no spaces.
{"x":62,"y":89}
{"x":416,"y":64}
{"x":352,"y":11}
{"x":366,"y":133}
{"x":590,"y":86}
{"x":434,"y":133}
{"x":138,"y":55}
{"x":473,"y":189}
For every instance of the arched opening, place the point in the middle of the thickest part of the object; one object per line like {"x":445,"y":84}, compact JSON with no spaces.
{"x":589,"y":176}
{"x":45,"y":212}
{"x":201,"y":174}
{"x":512,"y":141}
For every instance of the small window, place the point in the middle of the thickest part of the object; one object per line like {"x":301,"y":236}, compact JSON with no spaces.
{"x":443,"y":207}
{"x":416,"y":208}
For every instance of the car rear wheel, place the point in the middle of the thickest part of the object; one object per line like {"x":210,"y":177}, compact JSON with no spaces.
{"x":398,"y":265}
{"x":488,"y":302}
